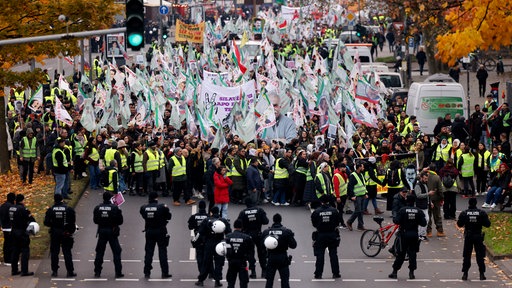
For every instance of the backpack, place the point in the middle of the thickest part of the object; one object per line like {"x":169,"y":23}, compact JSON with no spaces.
{"x":448,"y":181}
{"x":393,"y":178}
{"x":104,"y":181}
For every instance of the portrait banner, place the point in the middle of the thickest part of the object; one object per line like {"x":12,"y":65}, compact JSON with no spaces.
{"x":189,"y":32}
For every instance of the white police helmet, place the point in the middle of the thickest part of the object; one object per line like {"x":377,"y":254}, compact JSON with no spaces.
{"x":218,"y":226}
{"x":270,"y":242}
{"x":33,"y":228}
{"x":221,"y":248}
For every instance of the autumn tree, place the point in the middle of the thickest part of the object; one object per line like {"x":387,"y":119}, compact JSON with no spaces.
{"x":475,"y":24}
{"x":28,"y":18}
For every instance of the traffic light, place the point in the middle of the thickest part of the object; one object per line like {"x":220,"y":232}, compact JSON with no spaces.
{"x":165,"y":33}
{"x":135,"y":24}
{"x":361,"y":31}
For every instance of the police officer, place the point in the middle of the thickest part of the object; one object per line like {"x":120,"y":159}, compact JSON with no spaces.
{"x":108,"y":217}
{"x":156,"y":216}
{"x":193,"y":224}
{"x":409,"y":218}
{"x":211,"y":236}
{"x":240,"y":250}
{"x":61,"y":220}
{"x":326,"y":219}
{"x":252,"y":219}
{"x":278,"y":258}
{"x":473,"y":219}
{"x":20,"y":217}
{"x":5,"y":221}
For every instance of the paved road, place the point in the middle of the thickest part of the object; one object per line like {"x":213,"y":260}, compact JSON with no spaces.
{"x":439,"y":261}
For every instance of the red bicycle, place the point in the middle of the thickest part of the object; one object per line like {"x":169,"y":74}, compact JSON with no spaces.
{"x":373,"y":241}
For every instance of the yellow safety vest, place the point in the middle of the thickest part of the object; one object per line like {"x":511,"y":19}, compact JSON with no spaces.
{"x":243,"y":163}
{"x":443,"y":153}
{"x":153,"y":161}
{"x":360,"y":187}
{"x":495,"y":164}
{"x":467,"y":169}
{"x":229,"y":167}
{"x":343,"y":184}
{"x":369,"y":180}
{"x":94,"y":155}
{"x":309,"y":176}
{"x":110,"y":186}
{"x":178,"y":169}
{"x":54,"y":159}
{"x":324,"y":186}
{"x":161,"y":159}
{"x":29,"y":149}
{"x":20,"y":96}
{"x":400,"y":183}
{"x":79,"y":147}
{"x":301,"y":170}
{"x":137,"y":162}
{"x":280,"y":173}
{"x":124,"y":161}
{"x":110,"y":154}
{"x":482,"y":159}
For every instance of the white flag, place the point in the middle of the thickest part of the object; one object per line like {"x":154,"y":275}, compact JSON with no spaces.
{"x":61,"y":113}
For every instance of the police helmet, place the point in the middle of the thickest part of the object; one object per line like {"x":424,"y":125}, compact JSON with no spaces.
{"x":221,"y":248}
{"x":218,"y":227}
{"x":33,"y":228}
{"x":270,"y":242}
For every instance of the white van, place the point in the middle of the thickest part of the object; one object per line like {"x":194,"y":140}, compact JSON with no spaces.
{"x":364,"y":53}
{"x":391,"y":79}
{"x":427,"y":101}
{"x":374,"y":67}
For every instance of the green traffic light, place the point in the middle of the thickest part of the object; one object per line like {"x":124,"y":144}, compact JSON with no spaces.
{"x":135,"y":39}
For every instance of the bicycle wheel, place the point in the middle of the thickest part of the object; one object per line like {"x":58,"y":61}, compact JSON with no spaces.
{"x":371,"y":243}
{"x":490,"y":64}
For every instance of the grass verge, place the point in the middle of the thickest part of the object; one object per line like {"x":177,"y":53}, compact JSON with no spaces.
{"x":497,"y":237}
{"x":38,"y":197}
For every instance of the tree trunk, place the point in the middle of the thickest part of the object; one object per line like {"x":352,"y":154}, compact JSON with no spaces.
{"x":5,"y":165}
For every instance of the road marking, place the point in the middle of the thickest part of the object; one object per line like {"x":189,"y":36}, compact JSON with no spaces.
{"x":322,"y":280}
{"x":188,"y":280}
{"x":488,"y":280}
{"x":63,"y":279}
{"x":434,"y":261}
{"x":374,"y":261}
{"x":160,"y":280}
{"x":418,"y":280}
{"x":131,"y":261}
{"x":291,"y":280}
{"x":187,"y":261}
{"x":95,"y":279}
{"x":353,"y":280}
{"x":127,"y":279}
{"x":385,"y":280}
{"x":347,"y":261}
{"x":258,"y":280}
{"x":450,"y":280}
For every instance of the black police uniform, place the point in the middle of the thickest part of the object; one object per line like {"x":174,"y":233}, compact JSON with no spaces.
{"x":20,"y":217}
{"x":252,"y":219}
{"x":193,"y":224}
{"x":408,"y":218}
{"x":240,"y":250}
{"x":157,"y":216}
{"x":61,"y":219}
{"x":278,"y":257}
{"x":210,"y":240}
{"x":473,"y":219}
{"x":108,"y":217}
{"x":6,"y":229}
{"x":326,"y":219}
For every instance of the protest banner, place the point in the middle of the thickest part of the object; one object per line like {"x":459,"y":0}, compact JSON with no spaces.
{"x":189,"y":32}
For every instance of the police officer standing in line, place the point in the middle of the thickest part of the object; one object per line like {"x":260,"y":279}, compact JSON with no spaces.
{"x":156,"y":216}
{"x":326,"y":219}
{"x":252,"y":219}
{"x":409,"y":218}
{"x":61,"y":220}
{"x":5,"y":221}
{"x":20,"y":218}
{"x":473,"y":219}
{"x":211,"y":232}
{"x":278,"y":258}
{"x":108,"y":217}
{"x":240,"y":248}
{"x":193,"y":224}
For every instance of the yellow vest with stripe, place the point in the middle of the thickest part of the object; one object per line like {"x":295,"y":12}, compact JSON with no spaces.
{"x":153,"y":161}
{"x":280,"y":173}
{"x":79,"y":148}
{"x":94,"y":155}
{"x":161,"y":159}
{"x":360,"y":187}
{"x":20,"y":96}
{"x":343,"y":184}
{"x":443,"y":153}
{"x":54,"y":159}
{"x":324,"y":186}
{"x":467,"y":169}
{"x":178,"y":169}
{"x":124,"y":161}
{"x":29,"y":149}
{"x":369,"y":180}
{"x":301,"y":170}
{"x":235,"y":172}
{"x":137,"y":162}
{"x":110,"y":186}
{"x":110,"y":155}
{"x":400,"y":183}
{"x":482,"y":160}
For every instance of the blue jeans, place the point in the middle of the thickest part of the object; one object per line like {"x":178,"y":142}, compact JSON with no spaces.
{"x":122,"y":184}
{"x":493,"y":195}
{"x":94,"y":177}
{"x":60,"y":181}
{"x":223,"y":208}
{"x":280,"y":195}
{"x":67,"y":185}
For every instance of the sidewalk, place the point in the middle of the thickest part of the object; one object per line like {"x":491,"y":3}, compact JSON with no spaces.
{"x":8,"y":281}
